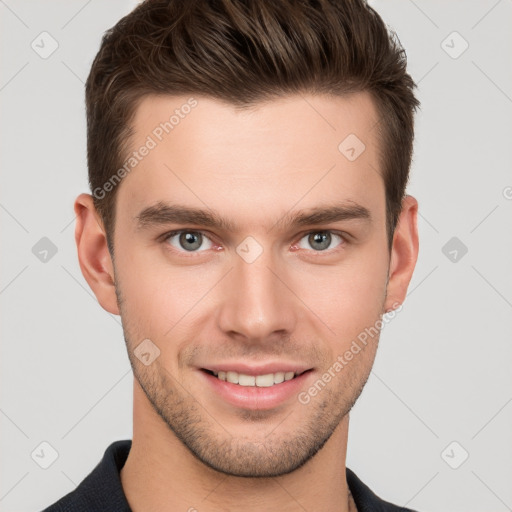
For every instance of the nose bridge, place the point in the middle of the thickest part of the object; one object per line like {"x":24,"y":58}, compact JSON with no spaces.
{"x":255,"y":302}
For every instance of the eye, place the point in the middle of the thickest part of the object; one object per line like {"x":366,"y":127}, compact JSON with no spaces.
{"x":189,"y":241}
{"x":320,"y":240}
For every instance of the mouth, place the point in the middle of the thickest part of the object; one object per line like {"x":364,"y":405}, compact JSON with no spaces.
{"x":261,"y":381}
{"x":271,"y":386}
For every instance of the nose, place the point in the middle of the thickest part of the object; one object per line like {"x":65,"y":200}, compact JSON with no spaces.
{"x":257,"y":306}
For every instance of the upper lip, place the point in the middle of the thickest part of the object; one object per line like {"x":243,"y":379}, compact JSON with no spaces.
{"x":262,"y":369}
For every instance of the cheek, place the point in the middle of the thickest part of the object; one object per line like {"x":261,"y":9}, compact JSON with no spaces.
{"x":146,"y":297}
{"x":160,"y":299}
{"x":348,"y":298}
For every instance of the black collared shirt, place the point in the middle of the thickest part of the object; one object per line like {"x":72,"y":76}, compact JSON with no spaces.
{"x":101,"y":490}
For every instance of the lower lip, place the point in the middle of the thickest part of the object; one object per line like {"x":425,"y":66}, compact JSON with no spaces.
{"x":254,"y":397}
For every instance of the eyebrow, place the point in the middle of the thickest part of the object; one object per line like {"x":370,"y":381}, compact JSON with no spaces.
{"x":164,"y":213}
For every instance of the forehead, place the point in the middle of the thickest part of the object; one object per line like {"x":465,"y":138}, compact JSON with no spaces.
{"x":302,"y":150}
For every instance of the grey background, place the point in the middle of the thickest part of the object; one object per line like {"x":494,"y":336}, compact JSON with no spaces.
{"x":442,"y":372}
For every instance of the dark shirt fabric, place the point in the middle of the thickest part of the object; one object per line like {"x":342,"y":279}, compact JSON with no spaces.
{"x":101,"y":490}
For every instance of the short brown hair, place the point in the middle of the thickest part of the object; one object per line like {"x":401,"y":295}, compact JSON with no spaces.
{"x":244,"y":52}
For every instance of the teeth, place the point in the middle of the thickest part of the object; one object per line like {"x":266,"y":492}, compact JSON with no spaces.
{"x":265,"y":381}
{"x":246,"y":380}
{"x":261,"y":381}
{"x":278,"y":377}
{"x":232,"y":377}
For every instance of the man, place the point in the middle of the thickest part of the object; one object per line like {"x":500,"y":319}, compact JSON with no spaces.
{"x":249,"y":223}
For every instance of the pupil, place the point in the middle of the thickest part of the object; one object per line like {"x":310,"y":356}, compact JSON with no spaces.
{"x":186,"y":239}
{"x":322,"y":238}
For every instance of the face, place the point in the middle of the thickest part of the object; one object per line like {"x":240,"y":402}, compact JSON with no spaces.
{"x":250,"y":253}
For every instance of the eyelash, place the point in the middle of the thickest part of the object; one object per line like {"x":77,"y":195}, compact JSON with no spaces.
{"x":165,"y":239}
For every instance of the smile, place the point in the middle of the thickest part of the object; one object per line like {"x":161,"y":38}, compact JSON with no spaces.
{"x":261,"y":381}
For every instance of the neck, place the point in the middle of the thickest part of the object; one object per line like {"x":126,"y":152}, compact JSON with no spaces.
{"x":162,"y":474}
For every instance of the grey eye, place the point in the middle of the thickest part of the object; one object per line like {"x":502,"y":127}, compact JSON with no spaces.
{"x":190,"y":241}
{"x":319,"y":240}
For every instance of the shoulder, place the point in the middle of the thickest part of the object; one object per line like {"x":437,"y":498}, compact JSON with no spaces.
{"x":366,"y":500}
{"x":101,"y":490}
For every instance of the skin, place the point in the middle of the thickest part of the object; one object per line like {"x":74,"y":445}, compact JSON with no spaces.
{"x":295,"y":302}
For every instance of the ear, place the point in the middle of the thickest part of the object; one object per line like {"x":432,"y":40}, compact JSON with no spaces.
{"x":93,"y":254}
{"x":404,"y":254}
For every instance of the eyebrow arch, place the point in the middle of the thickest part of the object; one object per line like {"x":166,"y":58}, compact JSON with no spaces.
{"x":349,"y":210}
{"x":164,"y":213}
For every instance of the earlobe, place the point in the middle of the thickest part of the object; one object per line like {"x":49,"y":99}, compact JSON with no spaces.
{"x":404,"y":254}
{"x":93,"y":254}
